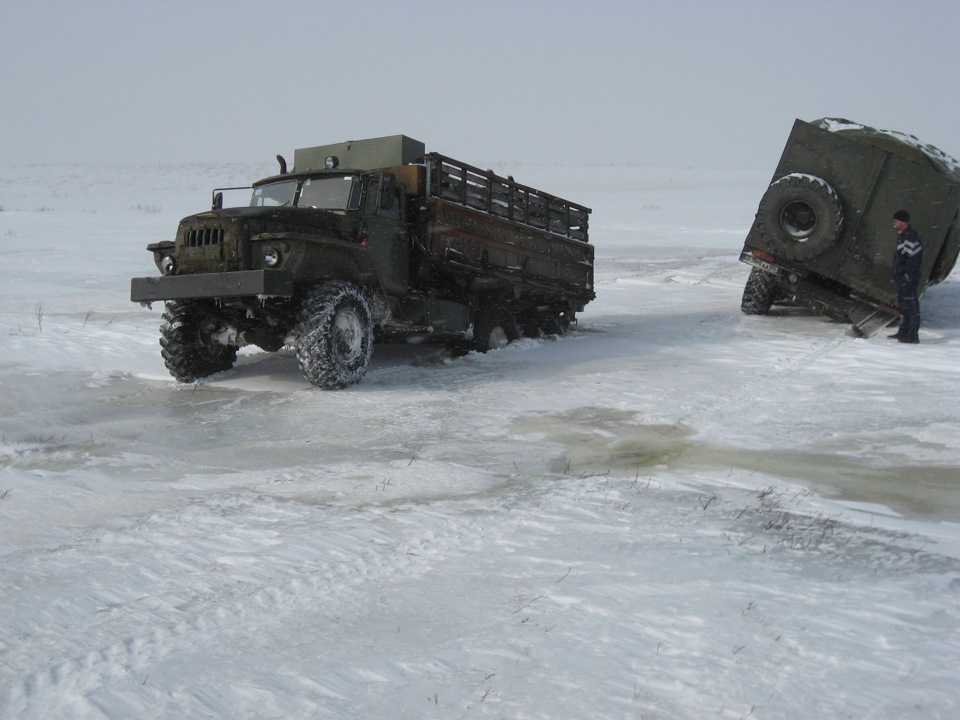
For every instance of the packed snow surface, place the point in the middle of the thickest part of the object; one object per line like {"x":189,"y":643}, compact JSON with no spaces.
{"x":673,"y":511}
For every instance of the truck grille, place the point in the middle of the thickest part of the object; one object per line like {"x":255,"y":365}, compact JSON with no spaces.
{"x":202,"y":237}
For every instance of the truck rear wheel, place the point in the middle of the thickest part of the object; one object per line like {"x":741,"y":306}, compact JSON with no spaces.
{"x":334,"y":336}
{"x":542,"y":324}
{"x":494,"y":328}
{"x":187,"y":342}
{"x":800,"y":216}
{"x":759,"y":292}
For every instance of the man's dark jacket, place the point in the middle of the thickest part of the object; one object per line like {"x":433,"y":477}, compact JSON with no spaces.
{"x":908,"y":257}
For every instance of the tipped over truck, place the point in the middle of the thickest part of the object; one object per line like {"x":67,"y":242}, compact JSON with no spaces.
{"x":823,"y":238}
{"x":363,"y":241}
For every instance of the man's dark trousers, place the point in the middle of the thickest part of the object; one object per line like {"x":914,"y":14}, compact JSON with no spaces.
{"x":909,"y":305}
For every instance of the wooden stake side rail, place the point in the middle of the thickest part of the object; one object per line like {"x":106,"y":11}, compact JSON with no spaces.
{"x":502,"y":197}
{"x":487,"y":245}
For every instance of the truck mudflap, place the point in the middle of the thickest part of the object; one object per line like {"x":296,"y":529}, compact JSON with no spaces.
{"x":868,"y":321}
{"x":247,"y":283}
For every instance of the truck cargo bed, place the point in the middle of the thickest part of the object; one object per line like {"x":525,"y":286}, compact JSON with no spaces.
{"x":501,"y":197}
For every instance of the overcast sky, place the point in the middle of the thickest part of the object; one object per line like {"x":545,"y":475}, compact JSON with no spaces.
{"x":681,"y":82}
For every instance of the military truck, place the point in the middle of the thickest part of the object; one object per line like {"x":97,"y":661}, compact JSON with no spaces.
{"x":823,"y":237}
{"x":363,"y":241}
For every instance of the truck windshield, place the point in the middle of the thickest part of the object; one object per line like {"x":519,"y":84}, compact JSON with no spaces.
{"x":330,"y":193}
{"x":338,"y":192}
{"x":274,"y":194}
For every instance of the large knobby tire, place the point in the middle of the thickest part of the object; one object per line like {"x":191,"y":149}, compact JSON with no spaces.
{"x":494,"y":328}
{"x":800,"y":216}
{"x":187,"y":340}
{"x":759,"y":292}
{"x":334,"y":336}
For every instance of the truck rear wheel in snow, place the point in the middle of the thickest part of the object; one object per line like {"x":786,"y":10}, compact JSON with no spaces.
{"x":494,"y":328}
{"x":187,"y":341}
{"x":334,"y":336}
{"x":800,"y":216}
{"x":542,"y":324}
{"x":759,"y":292}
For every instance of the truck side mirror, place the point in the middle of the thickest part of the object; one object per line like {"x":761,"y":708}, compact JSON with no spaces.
{"x":218,"y":201}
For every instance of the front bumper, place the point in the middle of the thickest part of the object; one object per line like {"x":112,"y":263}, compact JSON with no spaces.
{"x":246,"y":283}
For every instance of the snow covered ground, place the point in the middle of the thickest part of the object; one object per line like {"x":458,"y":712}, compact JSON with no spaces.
{"x":675,"y":511}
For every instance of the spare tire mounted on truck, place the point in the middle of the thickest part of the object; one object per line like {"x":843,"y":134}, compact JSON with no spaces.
{"x":800,"y":215}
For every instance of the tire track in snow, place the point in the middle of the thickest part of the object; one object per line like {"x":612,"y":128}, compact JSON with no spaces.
{"x":328,"y":566}
{"x":729,"y":384}
{"x":771,"y":384}
{"x":789,"y":364}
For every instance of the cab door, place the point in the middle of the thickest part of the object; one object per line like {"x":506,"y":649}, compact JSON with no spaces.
{"x":384,"y":217}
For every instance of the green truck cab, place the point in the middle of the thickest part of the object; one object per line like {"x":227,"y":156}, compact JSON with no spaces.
{"x":366,"y":241}
{"x":823,"y":237}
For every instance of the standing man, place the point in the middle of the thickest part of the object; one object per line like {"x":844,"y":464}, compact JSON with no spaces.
{"x":907,"y":260}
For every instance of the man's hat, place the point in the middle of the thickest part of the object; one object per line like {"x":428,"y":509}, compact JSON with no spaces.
{"x":902,"y":216}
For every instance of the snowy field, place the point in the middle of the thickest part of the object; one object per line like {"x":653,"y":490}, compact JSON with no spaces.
{"x":674,"y":511}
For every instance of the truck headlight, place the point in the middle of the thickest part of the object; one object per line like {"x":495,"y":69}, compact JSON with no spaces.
{"x":271,"y":257}
{"x":168,"y":265}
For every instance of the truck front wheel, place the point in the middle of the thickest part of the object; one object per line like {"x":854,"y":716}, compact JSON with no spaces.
{"x":187,"y":341}
{"x":334,"y":336}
